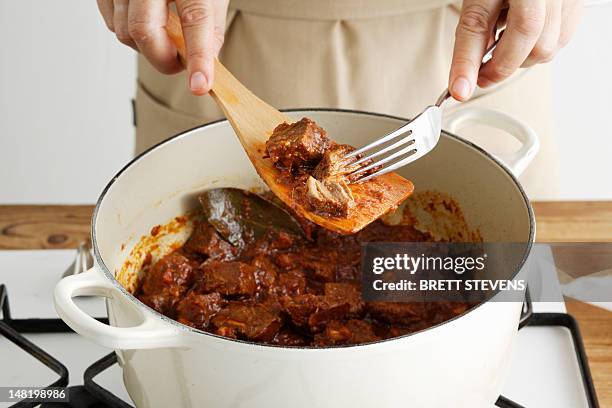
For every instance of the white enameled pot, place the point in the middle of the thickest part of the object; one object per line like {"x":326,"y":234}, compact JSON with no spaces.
{"x":460,"y":363}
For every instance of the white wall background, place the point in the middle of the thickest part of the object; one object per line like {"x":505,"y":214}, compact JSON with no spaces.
{"x":65,"y":102}
{"x":66,"y":86}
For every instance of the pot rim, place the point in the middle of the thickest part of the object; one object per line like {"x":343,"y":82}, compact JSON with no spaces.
{"x":183,"y":327}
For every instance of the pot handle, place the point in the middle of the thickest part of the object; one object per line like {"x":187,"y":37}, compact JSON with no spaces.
{"x":150,"y":333}
{"x":517,"y":161}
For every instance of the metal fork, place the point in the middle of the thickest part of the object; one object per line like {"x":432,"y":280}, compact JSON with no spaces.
{"x":408,"y":143}
{"x":83,"y":260}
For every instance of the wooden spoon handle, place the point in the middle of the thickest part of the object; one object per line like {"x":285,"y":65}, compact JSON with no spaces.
{"x":237,"y":102}
{"x":175,"y":32}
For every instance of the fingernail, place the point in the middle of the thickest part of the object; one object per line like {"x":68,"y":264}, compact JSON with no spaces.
{"x":461,"y":87}
{"x":197,"y":82}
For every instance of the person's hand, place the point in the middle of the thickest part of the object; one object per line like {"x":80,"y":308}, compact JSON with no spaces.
{"x":535,"y":31}
{"x":141,"y":25}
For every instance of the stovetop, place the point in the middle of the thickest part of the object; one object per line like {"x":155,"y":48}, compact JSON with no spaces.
{"x":549,"y":367}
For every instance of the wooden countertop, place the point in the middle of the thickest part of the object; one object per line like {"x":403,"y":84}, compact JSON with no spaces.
{"x":63,"y":226}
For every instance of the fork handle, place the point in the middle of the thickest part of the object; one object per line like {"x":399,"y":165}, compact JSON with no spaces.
{"x":487,"y":56}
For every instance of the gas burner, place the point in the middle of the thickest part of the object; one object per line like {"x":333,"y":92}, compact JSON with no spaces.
{"x":93,"y":395}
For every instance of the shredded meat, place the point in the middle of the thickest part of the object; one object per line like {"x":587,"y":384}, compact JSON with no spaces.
{"x":334,"y":165}
{"x":330,"y":196}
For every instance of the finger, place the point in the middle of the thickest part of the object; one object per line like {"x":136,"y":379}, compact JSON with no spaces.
{"x":146,"y":26}
{"x":473,"y":32}
{"x":547,"y":44}
{"x":197,"y":20}
{"x":107,"y":10}
{"x":571,"y":14}
{"x":525,"y":23}
{"x":220,"y":13}
{"x":120,"y":21}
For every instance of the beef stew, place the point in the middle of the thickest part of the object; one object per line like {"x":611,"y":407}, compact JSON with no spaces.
{"x":284,"y":288}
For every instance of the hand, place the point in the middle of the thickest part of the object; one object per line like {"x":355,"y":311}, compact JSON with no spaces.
{"x":140,"y":24}
{"x":535,"y":31}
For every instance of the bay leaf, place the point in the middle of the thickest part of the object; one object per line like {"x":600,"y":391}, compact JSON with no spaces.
{"x":242,"y":217}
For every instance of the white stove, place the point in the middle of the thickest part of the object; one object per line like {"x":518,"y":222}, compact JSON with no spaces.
{"x":545,"y":370}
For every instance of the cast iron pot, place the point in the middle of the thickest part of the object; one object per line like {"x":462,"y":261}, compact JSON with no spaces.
{"x":461,"y":362}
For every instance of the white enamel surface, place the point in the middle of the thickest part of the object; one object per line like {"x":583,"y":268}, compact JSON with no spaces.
{"x":530,"y":144}
{"x":460,"y":363}
{"x":144,"y":329}
{"x":437,"y":368}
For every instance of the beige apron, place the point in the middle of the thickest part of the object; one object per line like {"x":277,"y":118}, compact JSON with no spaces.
{"x":388,"y":56}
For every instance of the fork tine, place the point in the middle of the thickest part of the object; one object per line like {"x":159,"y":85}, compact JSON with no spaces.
{"x":394,"y":146}
{"x":409,"y":149}
{"x":390,"y":168}
{"x":384,"y":139}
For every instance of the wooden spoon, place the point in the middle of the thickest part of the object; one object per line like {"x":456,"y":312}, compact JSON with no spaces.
{"x":254,"y":120}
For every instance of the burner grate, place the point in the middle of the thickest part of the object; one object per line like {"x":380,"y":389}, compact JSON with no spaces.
{"x":8,"y":331}
{"x":567,"y":321}
{"x":98,"y":391}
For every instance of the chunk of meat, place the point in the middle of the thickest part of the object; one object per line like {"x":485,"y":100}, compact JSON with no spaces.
{"x":287,"y":260}
{"x":266,"y":273}
{"x":292,"y":283}
{"x":329,"y":196}
{"x":289,"y":338}
{"x":206,"y":242}
{"x":271,"y":301}
{"x":346,"y":292}
{"x":167,"y":281}
{"x":399,"y":313}
{"x":162,"y":302}
{"x":196,"y":310}
{"x":396,"y":331}
{"x":441,"y":311}
{"x":174,"y":269}
{"x":348,"y":273}
{"x":328,"y":309}
{"x":250,"y":321}
{"x":265,"y":263}
{"x":327,"y":189}
{"x":351,"y":332}
{"x":313,"y":311}
{"x":296,"y":145}
{"x":300,"y":307}
{"x":320,"y":263}
{"x":378,"y":231}
{"x":228,"y":278}
{"x":334,"y":165}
